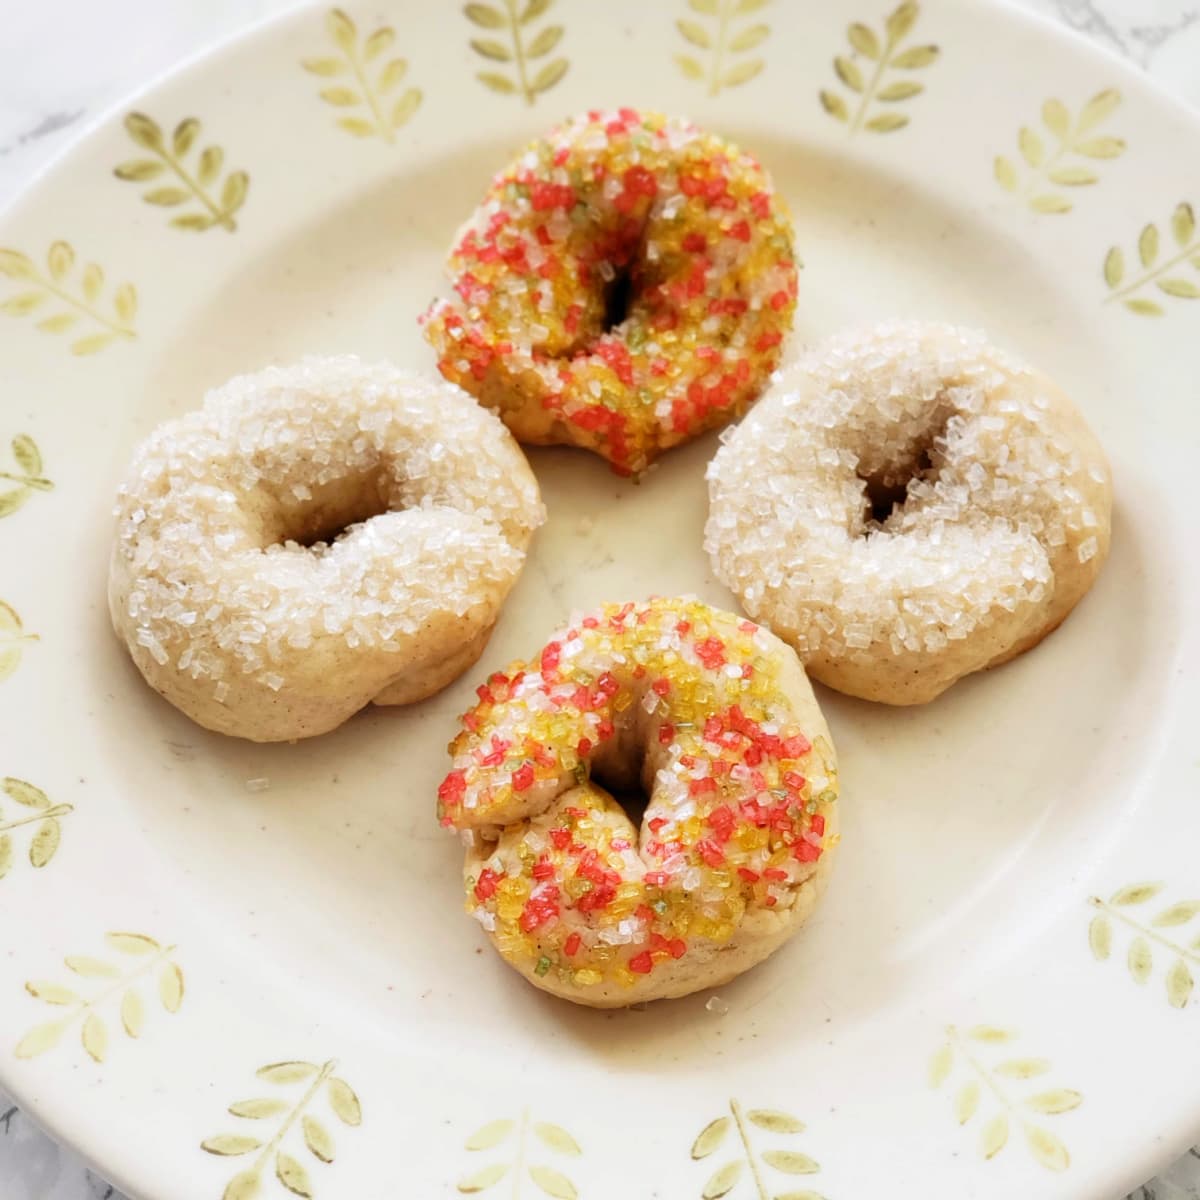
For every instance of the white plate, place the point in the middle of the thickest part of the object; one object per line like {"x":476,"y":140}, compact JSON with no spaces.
{"x":319,"y":921}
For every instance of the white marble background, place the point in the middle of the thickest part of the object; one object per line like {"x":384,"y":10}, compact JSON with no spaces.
{"x":50,"y":86}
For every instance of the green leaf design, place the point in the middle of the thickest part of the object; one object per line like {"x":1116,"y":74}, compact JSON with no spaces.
{"x":24,"y":793}
{"x":966,"y":1103}
{"x":556,"y":1138}
{"x":790,"y":1162}
{"x":287,"y":1072}
{"x":1183,"y":224}
{"x":94,"y":1036}
{"x":258,"y":1110}
{"x":485,"y":16}
{"x":41,"y":1038}
{"x":1073,"y":176}
{"x":553,"y":1183}
{"x":13,"y":640}
{"x":1005,"y":173}
{"x":1057,"y":1100}
{"x":723,"y":1180}
{"x":941,"y":1065}
{"x":6,"y":854}
{"x":371,"y":82}
{"x":1100,"y":147}
{"x":834,"y":105}
{"x":45,"y":842}
{"x":1098,"y":108}
{"x":1056,"y":118}
{"x":886,"y":123}
{"x":695,"y":33}
{"x":317,"y":1139}
{"x":994,"y":1136}
{"x":91,"y":968}
{"x":481,"y":1180}
{"x":1179,"y":984}
{"x":710,"y":1137}
{"x":1177,"y":914}
{"x":245,"y":1186}
{"x":1140,"y":959}
{"x":1032,"y":149}
{"x":1047,"y":1149}
{"x":132,"y":943}
{"x":1023,"y":1068}
{"x":378,"y":42}
{"x":344,"y":1102}
{"x":292,"y":1175}
{"x":1136,"y":893}
{"x":884,"y":51}
{"x":139,"y":170}
{"x":1182,"y":289}
{"x":1114,"y":270}
{"x":514,"y":48}
{"x":170,"y":987}
{"x":51,"y":993}
{"x":862,"y":38}
{"x":191,"y":184}
{"x":1148,"y":245}
{"x":904,"y":89}
{"x":1050,"y":203}
{"x":230,"y":1145}
{"x":848,"y":72}
{"x":1047,"y":165}
{"x":774,"y":1121}
{"x":56,"y":287}
{"x":1143,"y":307}
{"x":725,"y":38}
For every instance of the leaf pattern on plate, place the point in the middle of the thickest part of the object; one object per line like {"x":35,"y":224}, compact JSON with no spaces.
{"x":877,"y":73}
{"x":744,"y":1161}
{"x":35,"y":815}
{"x":517,"y":1135}
{"x":137,"y":956}
{"x":309,"y":1082}
{"x":981,"y":1063}
{"x":60,"y":305}
{"x":1184,"y":252}
{"x":722,"y":34}
{"x":26,"y":475}
{"x":1074,"y":145}
{"x":177,"y":182}
{"x":508,"y":37}
{"x":13,"y":641}
{"x":1182,"y":949}
{"x":365,"y":79}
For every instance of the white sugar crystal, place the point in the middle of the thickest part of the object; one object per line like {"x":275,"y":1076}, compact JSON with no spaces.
{"x":210,"y":499}
{"x":991,"y":496}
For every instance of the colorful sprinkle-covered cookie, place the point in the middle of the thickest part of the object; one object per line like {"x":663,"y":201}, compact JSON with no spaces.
{"x":625,"y":285}
{"x":712,"y":718}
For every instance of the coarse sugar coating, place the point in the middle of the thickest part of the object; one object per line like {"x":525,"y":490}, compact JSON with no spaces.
{"x":625,"y":285}
{"x":1000,"y":509}
{"x":315,"y":537}
{"x":712,"y":717}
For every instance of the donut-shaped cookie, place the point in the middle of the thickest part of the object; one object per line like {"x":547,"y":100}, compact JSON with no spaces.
{"x":316,"y":537}
{"x":624,"y":286}
{"x":907,"y":506}
{"x":712,"y":717}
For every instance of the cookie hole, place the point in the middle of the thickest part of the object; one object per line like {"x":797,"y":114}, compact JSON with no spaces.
{"x":887,"y":494}
{"x":620,"y":774}
{"x":618,"y":299}
{"x":331,"y":510}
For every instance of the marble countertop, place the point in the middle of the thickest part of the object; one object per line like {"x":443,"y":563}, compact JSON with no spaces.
{"x":50,"y":86}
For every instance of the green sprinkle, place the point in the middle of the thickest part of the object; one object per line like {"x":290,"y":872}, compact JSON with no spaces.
{"x":543,"y":965}
{"x":581,"y":773}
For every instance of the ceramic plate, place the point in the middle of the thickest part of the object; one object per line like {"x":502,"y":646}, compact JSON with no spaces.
{"x":237,"y":970}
